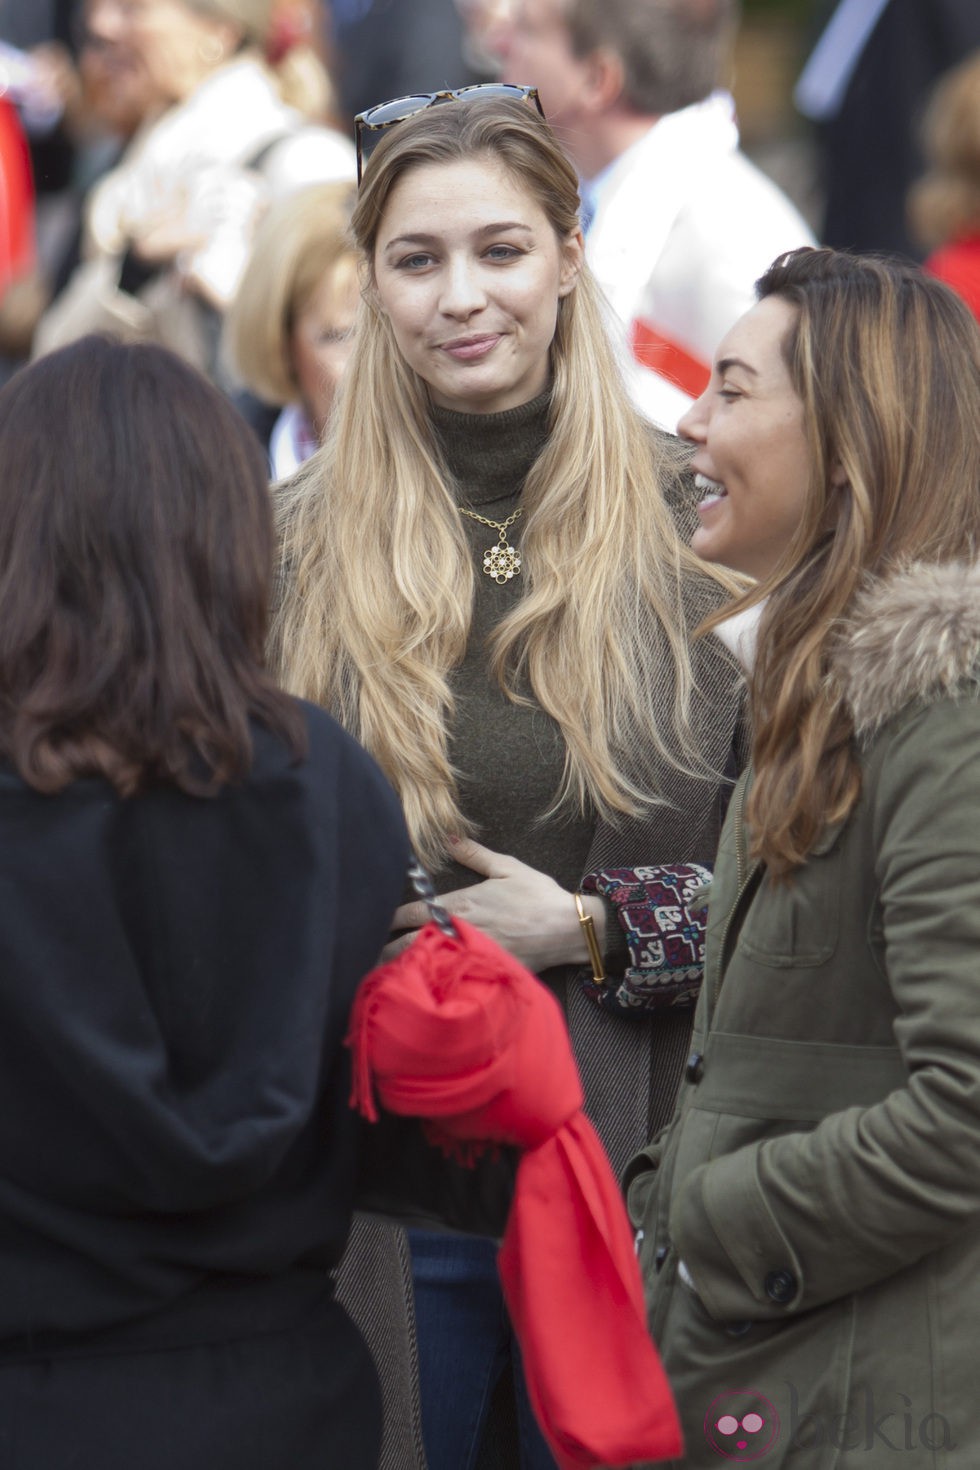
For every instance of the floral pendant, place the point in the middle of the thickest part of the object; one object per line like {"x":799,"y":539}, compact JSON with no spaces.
{"x":501,"y":562}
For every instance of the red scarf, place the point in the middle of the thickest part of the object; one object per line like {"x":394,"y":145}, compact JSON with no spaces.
{"x":457,"y":1032}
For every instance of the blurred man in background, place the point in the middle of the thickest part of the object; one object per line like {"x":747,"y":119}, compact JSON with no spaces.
{"x":679,"y":224}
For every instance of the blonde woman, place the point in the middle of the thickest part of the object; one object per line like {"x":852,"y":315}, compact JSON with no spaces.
{"x":290,"y":330}
{"x":483,"y":578}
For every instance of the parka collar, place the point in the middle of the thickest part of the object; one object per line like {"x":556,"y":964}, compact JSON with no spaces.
{"x":912,"y":638}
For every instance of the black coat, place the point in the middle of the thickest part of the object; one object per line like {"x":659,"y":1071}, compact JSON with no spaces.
{"x":176,"y":1149}
{"x":388,"y":48}
{"x":872,"y":146}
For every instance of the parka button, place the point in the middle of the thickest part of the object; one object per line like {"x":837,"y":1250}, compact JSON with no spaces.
{"x":781,"y":1286}
{"x":695,"y":1067}
{"x":738,"y":1329}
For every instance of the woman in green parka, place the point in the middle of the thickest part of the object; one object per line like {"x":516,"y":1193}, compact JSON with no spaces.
{"x":809,"y":1224}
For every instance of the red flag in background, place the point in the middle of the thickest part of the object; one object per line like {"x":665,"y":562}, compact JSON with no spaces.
{"x":16,"y":199}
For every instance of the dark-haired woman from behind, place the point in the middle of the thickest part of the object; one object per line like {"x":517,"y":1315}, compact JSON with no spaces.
{"x":195,"y":871}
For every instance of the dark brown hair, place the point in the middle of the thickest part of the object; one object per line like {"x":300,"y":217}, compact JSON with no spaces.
{"x":136,"y":549}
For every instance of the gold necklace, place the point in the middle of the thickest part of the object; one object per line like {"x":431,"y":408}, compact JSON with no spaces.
{"x":501,"y":562}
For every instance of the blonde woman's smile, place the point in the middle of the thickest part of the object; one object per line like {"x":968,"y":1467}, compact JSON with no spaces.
{"x":470,"y":273}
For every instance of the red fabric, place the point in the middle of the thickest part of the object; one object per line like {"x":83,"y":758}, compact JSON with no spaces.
{"x":16,"y":199}
{"x":958,"y":264}
{"x":456,"y":1032}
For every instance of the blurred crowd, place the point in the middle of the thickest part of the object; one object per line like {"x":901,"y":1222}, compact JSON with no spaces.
{"x":151,"y":150}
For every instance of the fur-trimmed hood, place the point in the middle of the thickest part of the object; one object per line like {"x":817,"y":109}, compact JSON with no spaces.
{"x":912,"y":638}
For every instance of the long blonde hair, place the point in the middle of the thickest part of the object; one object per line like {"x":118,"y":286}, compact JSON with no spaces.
{"x":377,"y":577}
{"x":887,"y":364}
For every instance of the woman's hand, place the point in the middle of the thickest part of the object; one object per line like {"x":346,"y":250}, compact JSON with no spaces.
{"x":523,"y":910}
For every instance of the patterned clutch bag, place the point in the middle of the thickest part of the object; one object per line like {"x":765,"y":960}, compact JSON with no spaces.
{"x":663,"y":914}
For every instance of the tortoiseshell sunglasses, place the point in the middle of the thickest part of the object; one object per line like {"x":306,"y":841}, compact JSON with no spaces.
{"x":387,"y":114}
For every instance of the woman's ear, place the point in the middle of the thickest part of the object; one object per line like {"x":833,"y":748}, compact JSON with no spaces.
{"x":572,"y":261}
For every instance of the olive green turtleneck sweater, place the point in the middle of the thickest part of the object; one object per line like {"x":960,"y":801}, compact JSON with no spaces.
{"x":510,"y":760}
{"x":510,"y":757}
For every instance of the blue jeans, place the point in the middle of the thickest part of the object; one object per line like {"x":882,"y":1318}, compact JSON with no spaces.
{"x":465,"y":1342}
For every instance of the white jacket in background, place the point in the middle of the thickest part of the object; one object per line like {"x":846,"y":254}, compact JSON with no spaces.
{"x":684,"y":226}
{"x":206,"y":167}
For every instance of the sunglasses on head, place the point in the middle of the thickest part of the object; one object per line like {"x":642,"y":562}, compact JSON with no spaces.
{"x":387,"y":114}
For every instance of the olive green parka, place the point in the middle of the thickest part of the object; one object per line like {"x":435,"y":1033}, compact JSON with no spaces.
{"x":820,"y":1182}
